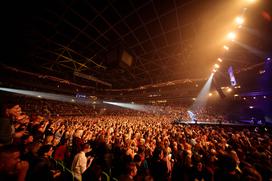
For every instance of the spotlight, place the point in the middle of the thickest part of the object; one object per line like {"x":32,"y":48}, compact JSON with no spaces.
{"x":254,"y":97}
{"x":264,"y":97}
{"x":244,"y":98}
{"x":226,"y":47}
{"x":210,"y":94}
{"x":194,"y":99}
{"x":219,"y":60}
{"x":251,"y":107}
{"x":216,"y":66}
{"x":231,"y":36}
{"x":239,"y":20}
{"x":236,"y":95}
{"x":229,"y":90}
{"x":268,"y":59}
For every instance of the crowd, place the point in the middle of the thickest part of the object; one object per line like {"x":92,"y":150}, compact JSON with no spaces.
{"x":126,"y":145}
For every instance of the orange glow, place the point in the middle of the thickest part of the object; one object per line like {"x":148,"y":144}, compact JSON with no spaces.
{"x":251,"y":1}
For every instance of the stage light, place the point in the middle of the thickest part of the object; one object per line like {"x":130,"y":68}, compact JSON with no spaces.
{"x":239,"y":20}
{"x":219,"y":60}
{"x":251,"y":107}
{"x":137,"y":107}
{"x":264,"y":97}
{"x":244,"y":98}
{"x":194,"y":99}
{"x":216,"y":66}
{"x":268,"y":59}
{"x":210,"y":94}
{"x":73,"y":100}
{"x":229,"y":90}
{"x":236,"y":95}
{"x":226,"y":47}
{"x":201,"y":99}
{"x":254,"y":97}
{"x":44,"y":95}
{"x":231,"y":36}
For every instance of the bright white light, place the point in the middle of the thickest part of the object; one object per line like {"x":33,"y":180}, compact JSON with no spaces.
{"x":244,"y":98}
{"x":44,"y":95}
{"x":231,"y":36}
{"x":202,"y":97}
{"x":194,"y":99}
{"x":226,"y":47}
{"x":219,"y":60}
{"x":138,"y":107}
{"x":236,"y":95}
{"x":73,"y":100}
{"x":264,"y":97}
{"x":254,"y":97}
{"x":239,"y":20}
{"x":251,"y":107}
{"x":216,"y":66}
{"x":210,"y":94}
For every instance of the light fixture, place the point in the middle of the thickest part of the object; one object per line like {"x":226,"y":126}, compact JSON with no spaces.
{"x":231,"y":36}
{"x":219,"y":60}
{"x":239,"y":20}
{"x":226,"y":47}
{"x":216,"y":66}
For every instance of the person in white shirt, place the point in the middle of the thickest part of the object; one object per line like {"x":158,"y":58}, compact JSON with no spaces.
{"x":80,"y":162}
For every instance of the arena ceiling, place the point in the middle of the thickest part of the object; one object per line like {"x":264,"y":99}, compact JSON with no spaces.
{"x":122,"y":44}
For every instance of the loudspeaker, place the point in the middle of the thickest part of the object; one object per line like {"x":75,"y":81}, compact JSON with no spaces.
{"x":218,"y":89}
{"x":118,"y":57}
{"x":126,"y":59}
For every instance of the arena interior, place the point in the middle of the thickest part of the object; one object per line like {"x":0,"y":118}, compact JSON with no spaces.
{"x":136,"y":90}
